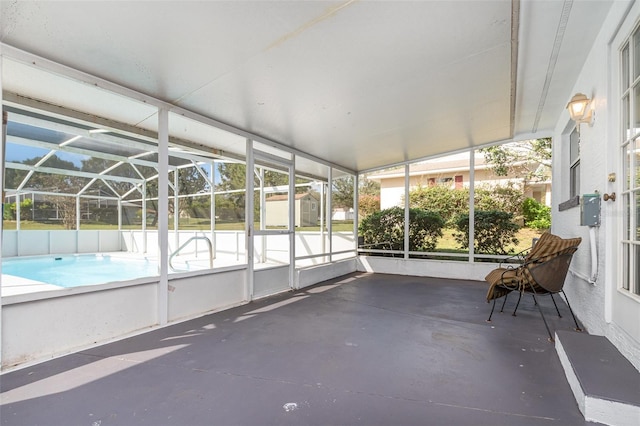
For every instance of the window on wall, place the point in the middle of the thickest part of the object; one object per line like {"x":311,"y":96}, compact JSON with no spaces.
{"x":459,"y":181}
{"x":630,"y":154}
{"x":574,"y":163}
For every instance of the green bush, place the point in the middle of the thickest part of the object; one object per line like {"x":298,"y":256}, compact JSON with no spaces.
{"x":493,"y":232}
{"x":536,"y":215}
{"x":441,"y":199}
{"x":10,"y":210}
{"x":450,"y":202}
{"x":387,"y":226}
{"x":506,"y":198}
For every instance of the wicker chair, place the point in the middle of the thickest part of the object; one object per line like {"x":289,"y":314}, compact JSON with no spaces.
{"x":542,"y":271}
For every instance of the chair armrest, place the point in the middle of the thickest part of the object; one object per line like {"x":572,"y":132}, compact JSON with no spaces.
{"x":514,"y":260}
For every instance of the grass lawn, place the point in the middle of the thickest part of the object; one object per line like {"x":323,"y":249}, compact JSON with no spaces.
{"x":448,"y":243}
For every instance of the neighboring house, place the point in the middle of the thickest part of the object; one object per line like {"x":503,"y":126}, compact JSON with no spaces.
{"x":306,"y":210}
{"x":453,"y":171}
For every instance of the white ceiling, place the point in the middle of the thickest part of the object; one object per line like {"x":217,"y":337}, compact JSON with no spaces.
{"x":361,"y":84}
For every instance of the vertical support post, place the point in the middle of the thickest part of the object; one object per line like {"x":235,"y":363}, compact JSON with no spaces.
{"x":176,"y":210}
{"x":263,"y":217}
{"x":120,"y":214}
{"x":323,"y":214}
{"x":78,"y":212}
{"x":406,"y":211}
{"x":213,"y":208}
{"x":18,"y":211}
{"x":163,"y":215}
{"x":120,"y":237}
{"x":292,"y":223}
{"x":356,"y":208}
{"x":3,"y":142}
{"x":248,"y":206}
{"x":144,"y":216}
{"x":472,"y":179}
{"x":329,"y":214}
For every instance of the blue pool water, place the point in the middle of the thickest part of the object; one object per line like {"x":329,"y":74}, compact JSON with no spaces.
{"x":75,"y":271}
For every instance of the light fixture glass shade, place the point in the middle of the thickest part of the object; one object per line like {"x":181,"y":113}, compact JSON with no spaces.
{"x":577,"y":107}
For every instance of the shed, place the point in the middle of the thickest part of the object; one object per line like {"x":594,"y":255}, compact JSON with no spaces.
{"x":306,"y":210}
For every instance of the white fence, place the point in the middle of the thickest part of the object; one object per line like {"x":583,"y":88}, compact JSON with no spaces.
{"x":228,"y":246}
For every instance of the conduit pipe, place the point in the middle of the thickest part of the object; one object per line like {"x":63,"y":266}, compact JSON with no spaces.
{"x":593,"y":244}
{"x":594,"y":254}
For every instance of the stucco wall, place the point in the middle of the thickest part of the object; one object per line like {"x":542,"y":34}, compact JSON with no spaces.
{"x":594,"y":303}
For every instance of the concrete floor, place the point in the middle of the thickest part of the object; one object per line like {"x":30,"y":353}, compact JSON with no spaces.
{"x":363,"y":349}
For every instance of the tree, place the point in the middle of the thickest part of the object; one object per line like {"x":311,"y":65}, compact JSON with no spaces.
{"x":368,"y":204}
{"x":342,"y":192}
{"x":530,"y":159}
{"x":99,"y":165}
{"x":190,"y":181}
{"x":232,"y":178}
{"x":65,"y":206}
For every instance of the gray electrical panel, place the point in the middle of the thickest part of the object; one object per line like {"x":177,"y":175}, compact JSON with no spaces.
{"x":590,"y":210}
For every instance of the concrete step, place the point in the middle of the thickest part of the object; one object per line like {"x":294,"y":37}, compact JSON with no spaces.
{"x":605,"y":384}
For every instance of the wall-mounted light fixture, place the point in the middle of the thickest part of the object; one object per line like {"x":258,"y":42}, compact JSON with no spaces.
{"x":580,"y":109}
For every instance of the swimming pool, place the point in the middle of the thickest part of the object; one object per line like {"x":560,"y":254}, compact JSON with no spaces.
{"x":79,"y":270}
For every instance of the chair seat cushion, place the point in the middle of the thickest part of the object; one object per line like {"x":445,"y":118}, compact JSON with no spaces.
{"x":502,"y":281}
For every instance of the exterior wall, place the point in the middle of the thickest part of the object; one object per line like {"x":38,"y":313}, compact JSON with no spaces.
{"x":270,"y":281}
{"x":191,"y":296}
{"x":425,"y":268}
{"x":55,"y":323}
{"x":391,"y":192}
{"x":315,"y":274}
{"x":600,"y":306}
{"x":48,"y":324}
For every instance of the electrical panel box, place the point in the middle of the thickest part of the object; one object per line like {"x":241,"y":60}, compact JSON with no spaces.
{"x":590,"y":210}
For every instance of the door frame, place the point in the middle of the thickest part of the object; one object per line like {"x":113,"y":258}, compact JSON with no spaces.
{"x":253,"y":155}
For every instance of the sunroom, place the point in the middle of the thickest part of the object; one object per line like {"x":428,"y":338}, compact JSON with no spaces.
{"x":190,"y":159}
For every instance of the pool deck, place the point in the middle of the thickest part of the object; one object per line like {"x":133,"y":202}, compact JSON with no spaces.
{"x":12,"y":285}
{"x":369,"y":349}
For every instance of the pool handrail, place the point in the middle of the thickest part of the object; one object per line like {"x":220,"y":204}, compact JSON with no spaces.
{"x":186,"y":243}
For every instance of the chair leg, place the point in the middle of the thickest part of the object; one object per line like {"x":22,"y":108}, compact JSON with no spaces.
{"x":542,"y":315}
{"x":555,"y":304}
{"x":571,"y":310}
{"x":517,"y":304}
{"x":492,"y":308}
{"x":503,"y":302}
